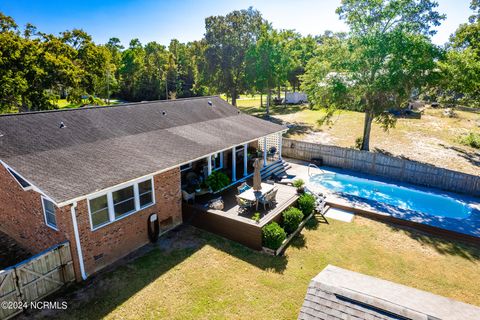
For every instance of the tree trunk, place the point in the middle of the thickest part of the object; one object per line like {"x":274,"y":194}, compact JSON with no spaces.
{"x":285,"y":97}
{"x":234,"y":97}
{"x":367,"y":127}
{"x":269,"y":97}
{"x":278,"y":92}
{"x":261,"y":99}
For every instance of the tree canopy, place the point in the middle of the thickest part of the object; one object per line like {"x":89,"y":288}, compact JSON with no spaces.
{"x":386,"y":57}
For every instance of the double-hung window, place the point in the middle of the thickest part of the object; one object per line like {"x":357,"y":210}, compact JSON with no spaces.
{"x":123,"y":201}
{"x":49,"y":212}
{"x":145,"y":193}
{"x":119,"y":203}
{"x":99,"y":211}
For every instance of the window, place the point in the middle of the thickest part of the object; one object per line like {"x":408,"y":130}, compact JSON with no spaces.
{"x":120,"y":203}
{"x":99,"y":211}
{"x":185,"y":167}
{"x":123,"y":201}
{"x":145,"y":193}
{"x":49,"y":212}
{"x":217,"y":161}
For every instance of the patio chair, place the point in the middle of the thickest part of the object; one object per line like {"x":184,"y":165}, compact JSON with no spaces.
{"x":269,"y":199}
{"x":243,"y":205}
{"x":243,"y":187}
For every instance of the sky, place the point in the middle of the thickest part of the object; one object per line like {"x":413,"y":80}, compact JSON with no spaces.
{"x":150,"y":20}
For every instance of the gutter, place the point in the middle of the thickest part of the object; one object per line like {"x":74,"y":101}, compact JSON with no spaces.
{"x":77,"y":241}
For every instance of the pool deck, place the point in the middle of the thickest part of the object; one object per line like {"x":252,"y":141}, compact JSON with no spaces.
{"x":467,"y":229}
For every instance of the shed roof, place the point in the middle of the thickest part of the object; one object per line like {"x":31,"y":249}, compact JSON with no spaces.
{"x":100,"y":147}
{"x":336,"y":293}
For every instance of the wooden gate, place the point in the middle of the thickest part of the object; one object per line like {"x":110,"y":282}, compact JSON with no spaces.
{"x":34,"y":279}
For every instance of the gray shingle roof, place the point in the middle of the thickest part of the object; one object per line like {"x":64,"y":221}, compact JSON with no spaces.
{"x":100,"y":147}
{"x":336,"y":293}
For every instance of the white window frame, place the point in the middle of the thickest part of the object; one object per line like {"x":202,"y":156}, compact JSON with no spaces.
{"x":111,"y":210}
{"x":188,"y":167}
{"x":55,"y":227}
{"x":218,"y":155}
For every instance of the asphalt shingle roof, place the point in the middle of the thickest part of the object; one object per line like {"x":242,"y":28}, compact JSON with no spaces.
{"x":100,"y":147}
{"x":336,"y":293}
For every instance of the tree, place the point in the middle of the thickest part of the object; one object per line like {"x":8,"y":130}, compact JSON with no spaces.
{"x":387,"y":55}
{"x":268,"y":62}
{"x":34,"y":67}
{"x":228,"y":39}
{"x":460,"y":67}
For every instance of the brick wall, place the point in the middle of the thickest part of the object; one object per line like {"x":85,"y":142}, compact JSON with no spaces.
{"x":115,"y":240}
{"x":21,"y":217}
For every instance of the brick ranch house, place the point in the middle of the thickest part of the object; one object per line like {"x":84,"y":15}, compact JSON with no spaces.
{"x":93,"y":176}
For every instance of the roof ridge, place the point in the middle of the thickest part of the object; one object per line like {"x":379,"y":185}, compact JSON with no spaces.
{"x":101,"y":107}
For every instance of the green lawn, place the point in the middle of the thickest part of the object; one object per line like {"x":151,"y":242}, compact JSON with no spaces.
{"x":192,"y":274}
{"x":64,"y":104}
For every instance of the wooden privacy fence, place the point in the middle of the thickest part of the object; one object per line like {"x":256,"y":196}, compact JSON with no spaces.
{"x":34,"y":279}
{"x":383,"y":165}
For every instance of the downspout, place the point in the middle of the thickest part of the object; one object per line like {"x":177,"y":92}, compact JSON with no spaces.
{"x":77,"y":241}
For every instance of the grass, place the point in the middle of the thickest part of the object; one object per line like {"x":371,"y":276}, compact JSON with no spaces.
{"x":433,"y":139}
{"x":193,"y":274}
{"x":64,"y":104}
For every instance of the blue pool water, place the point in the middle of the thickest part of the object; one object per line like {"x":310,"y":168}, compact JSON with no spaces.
{"x":406,"y":198}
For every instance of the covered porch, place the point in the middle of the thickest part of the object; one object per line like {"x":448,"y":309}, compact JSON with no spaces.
{"x":235,"y":162}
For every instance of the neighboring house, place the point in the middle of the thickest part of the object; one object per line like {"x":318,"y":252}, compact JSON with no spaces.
{"x":337,"y":293}
{"x":296,"y":97}
{"x":93,"y":176}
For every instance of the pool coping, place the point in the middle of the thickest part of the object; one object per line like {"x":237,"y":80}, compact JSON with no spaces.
{"x":467,"y":229}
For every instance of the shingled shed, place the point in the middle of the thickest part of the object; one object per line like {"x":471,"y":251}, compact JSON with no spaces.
{"x":336,"y":293}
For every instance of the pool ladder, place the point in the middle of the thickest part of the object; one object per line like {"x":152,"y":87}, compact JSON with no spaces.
{"x":311,"y":165}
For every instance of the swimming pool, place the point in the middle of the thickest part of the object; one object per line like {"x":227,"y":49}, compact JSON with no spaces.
{"x":405,"y":198}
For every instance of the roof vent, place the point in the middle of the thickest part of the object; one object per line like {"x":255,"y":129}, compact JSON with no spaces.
{"x":1,"y":134}
{"x":210,"y":103}
{"x":164,"y":112}
{"x":62,"y":125}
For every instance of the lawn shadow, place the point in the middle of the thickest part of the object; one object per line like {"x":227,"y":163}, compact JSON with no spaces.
{"x":262,"y":261}
{"x":122,"y":280}
{"x":299,"y":241}
{"x":441,"y":245}
{"x":472,"y":157}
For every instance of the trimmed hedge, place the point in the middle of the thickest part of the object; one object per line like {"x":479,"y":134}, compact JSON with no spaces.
{"x":273,"y":236}
{"x":306,"y":203}
{"x":292,"y":217}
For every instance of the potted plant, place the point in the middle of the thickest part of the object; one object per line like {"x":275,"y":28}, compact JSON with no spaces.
{"x":300,"y":185}
{"x":217,"y":181}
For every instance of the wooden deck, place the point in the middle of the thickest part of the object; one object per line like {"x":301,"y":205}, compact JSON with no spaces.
{"x":236,"y":225}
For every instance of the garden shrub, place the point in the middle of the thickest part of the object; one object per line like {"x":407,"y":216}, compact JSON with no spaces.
{"x":472,"y":139}
{"x":217,"y":181}
{"x":273,"y":236}
{"x":306,"y":203}
{"x":291,"y":219}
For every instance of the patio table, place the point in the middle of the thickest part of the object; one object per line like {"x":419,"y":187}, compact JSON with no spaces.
{"x":252,"y":196}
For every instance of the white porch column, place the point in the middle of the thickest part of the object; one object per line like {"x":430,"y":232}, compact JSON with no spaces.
{"x":280,"y":143}
{"x":209,"y":164}
{"x":264,"y":151}
{"x":234,"y":164}
{"x":245,"y":159}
